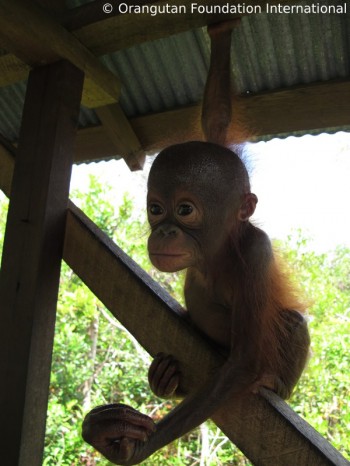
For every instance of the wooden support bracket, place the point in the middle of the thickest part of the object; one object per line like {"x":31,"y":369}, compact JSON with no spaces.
{"x":117,"y":127}
{"x":36,"y":38}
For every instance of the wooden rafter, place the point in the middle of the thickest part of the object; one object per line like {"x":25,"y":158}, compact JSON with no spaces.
{"x":263,"y":427}
{"x":119,"y":131}
{"x":56,"y":6}
{"x":104,"y":33}
{"x":119,"y":31}
{"x":310,"y":107}
{"x":36,"y":38}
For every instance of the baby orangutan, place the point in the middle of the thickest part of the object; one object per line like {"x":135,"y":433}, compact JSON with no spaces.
{"x":199,"y":206}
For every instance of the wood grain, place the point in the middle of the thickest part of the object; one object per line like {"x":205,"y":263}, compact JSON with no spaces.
{"x":36,"y":38}
{"x":32,"y":256}
{"x":117,"y":127}
{"x":264,"y":427}
{"x":315,"y":107}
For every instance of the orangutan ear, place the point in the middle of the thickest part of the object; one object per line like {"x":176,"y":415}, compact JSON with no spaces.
{"x":247,"y":207}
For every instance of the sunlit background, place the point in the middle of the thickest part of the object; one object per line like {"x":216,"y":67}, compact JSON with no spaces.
{"x":301,"y":182}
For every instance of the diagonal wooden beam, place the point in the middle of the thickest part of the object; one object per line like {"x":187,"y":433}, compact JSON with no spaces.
{"x":36,"y":38}
{"x":122,"y":135}
{"x":264,"y":427}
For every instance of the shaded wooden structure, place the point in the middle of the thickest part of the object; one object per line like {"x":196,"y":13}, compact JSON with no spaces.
{"x":60,"y":46}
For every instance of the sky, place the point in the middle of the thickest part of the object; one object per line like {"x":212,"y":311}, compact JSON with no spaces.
{"x":301,"y":182}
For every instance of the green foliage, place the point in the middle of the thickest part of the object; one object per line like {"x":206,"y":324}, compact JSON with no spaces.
{"x":95,"y":361}
{"x":323,"y":393}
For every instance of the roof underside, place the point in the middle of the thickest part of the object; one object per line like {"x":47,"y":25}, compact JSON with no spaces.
{"x":271,"y":54}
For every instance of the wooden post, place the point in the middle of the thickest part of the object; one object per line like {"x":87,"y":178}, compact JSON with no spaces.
{"x":32,"y":256}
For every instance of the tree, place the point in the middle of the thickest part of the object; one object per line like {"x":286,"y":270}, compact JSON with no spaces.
{"x":323,"y":393}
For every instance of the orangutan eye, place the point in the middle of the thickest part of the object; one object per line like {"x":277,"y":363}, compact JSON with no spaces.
{"x":155,"y":209}
{"x":185,"y":209}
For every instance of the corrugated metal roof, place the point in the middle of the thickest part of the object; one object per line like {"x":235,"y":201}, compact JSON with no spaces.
{"x":11,"y":106}
{"x":269,"y":52}
{"x":274,"y":51}
{"x":163,"y":74}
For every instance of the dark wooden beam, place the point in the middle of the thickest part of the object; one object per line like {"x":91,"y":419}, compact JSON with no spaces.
{"x":89,"y":13}
{"x":313,"y":107}
{"x":270,"y":433}
{"x":119,"y":31}
{"x":32,"y":256}
{"x":309,"y":107}
{"x":7,"y":164}
{"x":117,"y":127}
{"x":93,"y":12}
{"x":263,"y":427}
{"x":36,"y":38}
{"x":91,"y":143}
{"x":55,"y":6}
{"x":103,"y":33}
